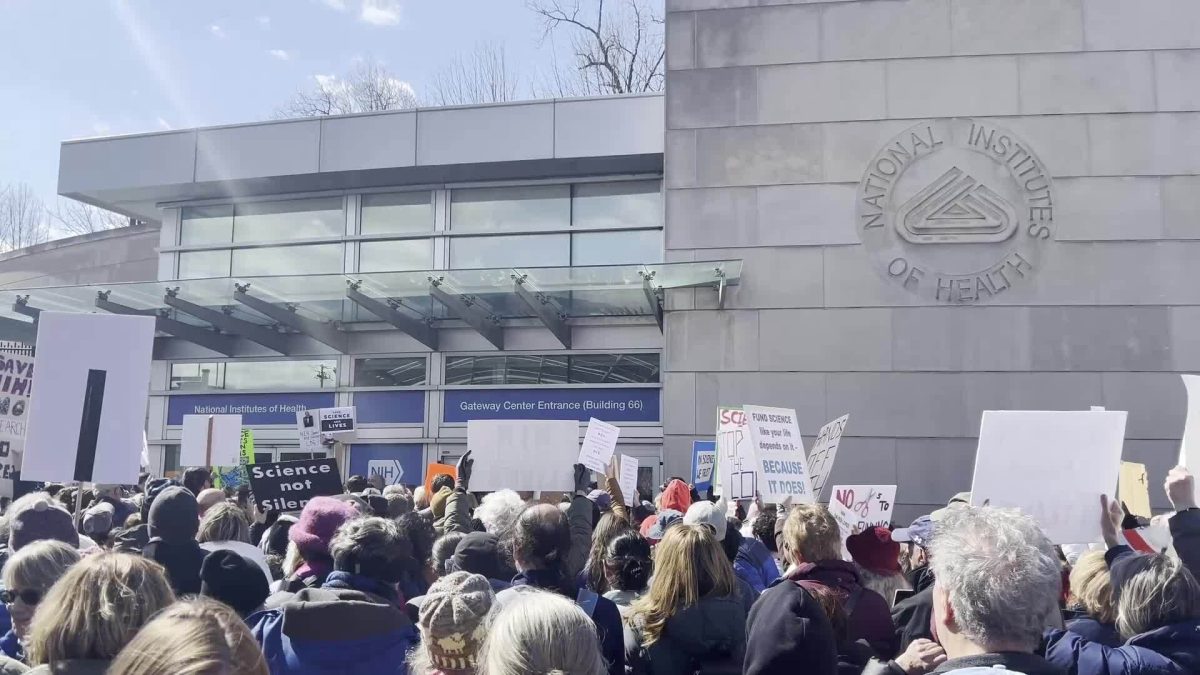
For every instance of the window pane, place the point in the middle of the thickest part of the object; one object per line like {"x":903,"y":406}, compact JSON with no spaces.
{"x":627,"y":204}
{"x":551,"y":369}
{"x":295,"y":219}
{"x":636,"y":247}
{"x":315,"y":374}
{"x":395,"y":256}
{"x":203,"y":264}
{"x":529,"y":369}
{"x":297,"y":456}
{"x":170,"y":459}
{"x":197,"y":376}
{"x":389,"y":372}
{"x":614,"y":368}
{"x":532,"y":250}
{"x":475,"y":370}
{"x":539,"y":207}
{"x":398,"y":212}
{"x":206,"y":225}
{"x":281,"y":260}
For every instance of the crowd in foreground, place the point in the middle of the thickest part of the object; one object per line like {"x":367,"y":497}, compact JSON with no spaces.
{"x":170,"y":579}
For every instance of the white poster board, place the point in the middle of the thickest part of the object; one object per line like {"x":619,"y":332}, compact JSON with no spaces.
{"x":16,"y":385}
{"x":1053,"y":465}
{"x":226,"y":441}
{"x":309,"y":428}
{"x":824,"y":451}
{"x":628,"y":479}
{"x":774,"y":429}
{"x":87,"y":420}
{"x":735,"y":455}
{"x":337,"y":424}
{"x":861,"y":507}
{"x":523,"y":454}
{"x":599,"y":443}
{"x":1189,"y":447}
{"x":782,"y":475}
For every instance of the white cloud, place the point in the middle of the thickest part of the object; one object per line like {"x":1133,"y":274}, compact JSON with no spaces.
{"x":339,"y":5}
{"x":217,"y":31}
{"x":264,"y":21}
{"x":281,"y":54}
{"x":381,"y":12}
{"x":163,"y":124}
{"x":101,"y":128}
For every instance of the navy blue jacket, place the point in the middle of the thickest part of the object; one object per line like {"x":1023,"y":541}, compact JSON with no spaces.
{"x":1170,"y":650}
{"x":1093,"y":631}
{"x":754,"y":565}
{"x":606,"y":616}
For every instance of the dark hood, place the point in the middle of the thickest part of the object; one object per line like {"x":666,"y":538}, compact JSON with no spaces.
{"x":1029,"y":664}
{"x":713,"y":628}
{"x":326,"y":614}
{"x":1179,"y":642}
{"x":174,"y":515}
{"x":837,"y":574}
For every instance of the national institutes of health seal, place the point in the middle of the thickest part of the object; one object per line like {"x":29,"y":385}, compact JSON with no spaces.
{"x":956,"y":210}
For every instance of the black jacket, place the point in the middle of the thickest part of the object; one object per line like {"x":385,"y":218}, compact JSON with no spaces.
{"x":787,"y":632}
{"x":182,"y":562}
{"x":709,"y":636}
{"x":914,"y":618}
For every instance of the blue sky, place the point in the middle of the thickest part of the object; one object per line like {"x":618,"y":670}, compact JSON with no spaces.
{"x":81,"y":68}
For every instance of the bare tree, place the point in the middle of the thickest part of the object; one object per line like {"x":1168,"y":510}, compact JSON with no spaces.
{"x":72,"y":217}
{"x":368,"y":88}
{"x":22,"y":217}
{"x":480,"y":77}
{"x":618,"y":47}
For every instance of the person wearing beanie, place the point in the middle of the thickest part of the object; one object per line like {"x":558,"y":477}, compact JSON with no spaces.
{"x":40,"y":519}
{"x":114,"y":495}
{"x":133,"y":539}
{"x":174,"y":521}
{"x":479,"y":553}
{"x":453,"y":618}
{"x":311,"y":534}
{"x":878,"y":560}
{"x":98,"y":521}
{"x":235,"y":580}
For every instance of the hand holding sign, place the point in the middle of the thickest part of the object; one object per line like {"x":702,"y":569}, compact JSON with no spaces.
{"x":1111,"y":515}
{"x":463,"y":468}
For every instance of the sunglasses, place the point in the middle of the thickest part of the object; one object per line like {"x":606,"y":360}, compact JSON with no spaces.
{"x":28,"y":597}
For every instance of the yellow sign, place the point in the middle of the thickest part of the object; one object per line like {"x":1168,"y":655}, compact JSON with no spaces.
{"x":1133,"y":489}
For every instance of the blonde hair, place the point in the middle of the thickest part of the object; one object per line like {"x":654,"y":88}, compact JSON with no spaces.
{"x":37,"y":566}
{"x":193,"y":637}
{"x":689,"y":565}
{"x":811,"y":533}
{"x":224,"y":521}
{"x":541,"y":632}
{"x":96,"y":607}
{"x":1162,"y":593}
{"x":1091,"y":586}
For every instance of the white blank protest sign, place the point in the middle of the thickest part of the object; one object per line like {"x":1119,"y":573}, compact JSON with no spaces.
{"x":1053,"y":465}
{"x":523,"y":454}
{"x":1189,"y":447}
{"x":628,"y":479}
{"x":69,"y":347}
{"x":226,"y":448}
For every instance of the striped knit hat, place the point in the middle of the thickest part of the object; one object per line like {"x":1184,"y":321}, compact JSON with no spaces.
{"x":453,"y":619}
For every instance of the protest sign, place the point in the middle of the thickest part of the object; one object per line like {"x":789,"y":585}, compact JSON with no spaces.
{"x":288,"y":486}
{"x":211,"y":440}
{"x":1133,"y":489}
{"x":628,"y":479}
{"x":93,"y":383}
{"x":523,"y":454}
{"x":235,"y":476}
{"x":1052,"y":465}
{"x":435,"y":470}
{"x":310,"y":431}
{"x":774,"y":429}
{"x":735,"y":455}
{"x":824,"y":451}
{"x":16,"y":385}
{"x":860,"y":507}
{"x":337,"y":424}
{"x":704,"y":463}
{"x":598,"y":446}
{"x":1189,"y":447}
{"x":783,"y":474}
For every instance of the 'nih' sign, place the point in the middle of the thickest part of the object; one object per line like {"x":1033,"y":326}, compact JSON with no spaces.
{"x":389,"y":470}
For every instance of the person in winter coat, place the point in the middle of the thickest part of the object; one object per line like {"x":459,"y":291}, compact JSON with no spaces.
{"x":453,"y":621}
{"x":28,"y":575}
{"x":174,"y":520}
{"x":192,"y":636}
{"x":913,"y":617}
{"x":878,"y":559}
{"x":812,"y":544}
{"x":1092,"y":597}
{"x":308,"y":562}
{"x":755,"y":565}
{"x":479,"y":553}
{"x":788,"y":632}
{"x":540,"y":632}
{"x":693,"y":614}
{"x":356,"y":614}
{"x":852,"y":656}
{"x":132,"y":539}
{"x":114,"y":496}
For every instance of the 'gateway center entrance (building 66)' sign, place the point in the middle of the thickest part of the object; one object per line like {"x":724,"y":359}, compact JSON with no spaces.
{"x":957,"y":211}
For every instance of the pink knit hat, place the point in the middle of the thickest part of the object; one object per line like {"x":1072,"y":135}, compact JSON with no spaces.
{"x":319,"y":520}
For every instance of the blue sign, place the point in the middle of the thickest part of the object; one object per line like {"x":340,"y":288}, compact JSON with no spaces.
{"x":255,"y":409}
{"x":394,"y":407}
{"x":610,"y":405}
{"x":704,"y":464}
{"x":398,"y":463}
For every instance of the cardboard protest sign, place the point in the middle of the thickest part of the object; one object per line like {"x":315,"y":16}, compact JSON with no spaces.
{"x":704,"y":464}
{"x":1052,"y":465}
{"x":310,"y":431}
{"x":824,"y":451}
{"x":628,"y":479}
{"x":211,"y":440}
{"x":1133,"y":489}
{"x":87,"y":421}
{"x":288,"y":486}
{"x":337,"y":424}
{"x":774,"y":429}
{"x":1189,"y":447}
{"x":523,"y":454}
{"x":16,"y":385}
{"x":735,"y":455}
{"x":862,"y":506}
{"x":435,"y":470}
{"x":783,"y":474}
{"x":235,"y":476}
{"x":598,"y":446}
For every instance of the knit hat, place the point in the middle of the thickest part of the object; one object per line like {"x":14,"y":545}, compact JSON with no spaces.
{"x":438,"y":503}
{"x":153,"y":489}
{"x":707,"y":513}
{"x":319,"y":520}
{"x":209,"y":498}
{"x":874,"y":551}
{"x":98,"y":520}
{"x":601,"y":499}
{"x":174,"y":515}
{"x":41,"y":520}
{"x":478,"y":553}
{"x":452,"y":619}
{"x":234,"y":580}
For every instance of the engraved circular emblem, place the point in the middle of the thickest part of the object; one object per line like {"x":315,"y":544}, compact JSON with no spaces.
{"x":957,"y":211}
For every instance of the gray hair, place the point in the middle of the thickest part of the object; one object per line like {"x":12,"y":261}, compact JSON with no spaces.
{"x":1162,"y":593}
{"x":1000,"y":573}
{"x":38,"y":565}
{"x":885,"y":585}
{"x":443,"y":550}
{"x":541,"y":632}
{"x":372,"y":547}
{"x":224,"y":521}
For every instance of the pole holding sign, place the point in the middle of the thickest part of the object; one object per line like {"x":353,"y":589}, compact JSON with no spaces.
{"x":211,"y":440}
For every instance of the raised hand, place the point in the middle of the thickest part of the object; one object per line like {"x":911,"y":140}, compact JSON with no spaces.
{"x":1181,"y":489}
{"x":463,"y":469}
{"x":1111,"y":515}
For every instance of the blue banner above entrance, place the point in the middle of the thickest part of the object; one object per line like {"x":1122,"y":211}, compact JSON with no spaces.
{"x":255,"y":409}
{"x":610,"y":405}
{"x":390,"y":407}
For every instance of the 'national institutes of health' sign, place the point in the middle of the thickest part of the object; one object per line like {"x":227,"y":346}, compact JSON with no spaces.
{"x":956,"y":210}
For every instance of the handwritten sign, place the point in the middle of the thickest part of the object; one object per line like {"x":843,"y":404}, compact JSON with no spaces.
{"x":628,"y":479}
{"x":704,"y":464}
{"x":598,"y":446}
{"x":235,"y":476}
{"x":861,"y":507}
{"x":16,"y":385}
{"x":1133,"y":489}
{"x":310,"y":431}
{"x":735,"y":455}
{"x":783,"y":475}
{"x":824,"y":451}
{"x":774,"y":429}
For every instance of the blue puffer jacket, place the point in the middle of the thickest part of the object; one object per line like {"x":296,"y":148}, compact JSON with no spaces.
{"x":754,"y":565}
{"x":1170,"y":650}
{"x":335,"y":630}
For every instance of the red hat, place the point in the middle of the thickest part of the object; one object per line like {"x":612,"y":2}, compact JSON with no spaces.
{"x":874,"y":550}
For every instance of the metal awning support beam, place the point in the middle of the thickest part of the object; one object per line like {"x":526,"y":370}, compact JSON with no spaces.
{"x":22,"y":306}
{"x":653,"y":296}
{"x":545,"y":309}
{"x":221,"y":344}
{"x":469,"y":309}
{"x":251,"y":331}
{"x":421,"y":331}
{"x":17,"y":330}
{"x":320,"y":331}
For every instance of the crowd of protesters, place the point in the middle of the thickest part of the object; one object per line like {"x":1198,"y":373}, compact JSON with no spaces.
{"x":170,"y":578}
